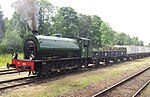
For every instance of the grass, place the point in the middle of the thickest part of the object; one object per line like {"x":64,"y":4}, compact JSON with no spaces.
{"x":70,"y":84}
{"x":6,"y":58}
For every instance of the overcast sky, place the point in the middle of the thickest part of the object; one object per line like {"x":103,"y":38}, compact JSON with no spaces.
{"x":129,"y":16}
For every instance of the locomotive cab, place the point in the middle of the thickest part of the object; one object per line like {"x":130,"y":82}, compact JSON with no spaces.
{"x":85,"y":47}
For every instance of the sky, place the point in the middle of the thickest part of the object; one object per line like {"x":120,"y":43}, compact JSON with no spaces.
{"x":129,"y":16}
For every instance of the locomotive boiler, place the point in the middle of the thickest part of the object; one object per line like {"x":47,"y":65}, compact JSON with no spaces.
{"x":40,"y":47}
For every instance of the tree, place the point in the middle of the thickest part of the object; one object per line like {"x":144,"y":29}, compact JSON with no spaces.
{"x":46,"y":14}
{"x":148,"y":45}
{"x":90,"y":27}
{"x":2,"y":26}
{"x":122,"y":39}
{"x":65,"y":22}
{"x":135,"y":41}
{"x":84,"y":25}
{"x":95,"y":31}
{"x":20,"y":26}
{"x":12,"y":41}
{"x":107,"y":34}
{"x":127,"y":40}
{"x":141,"y":43}
{"x":16,"y":30}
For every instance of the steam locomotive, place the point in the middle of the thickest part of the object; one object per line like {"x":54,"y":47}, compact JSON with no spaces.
{"x":46,"y":55}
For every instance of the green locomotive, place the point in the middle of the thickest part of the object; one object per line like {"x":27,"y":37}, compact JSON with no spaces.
{"x":44,"y":55}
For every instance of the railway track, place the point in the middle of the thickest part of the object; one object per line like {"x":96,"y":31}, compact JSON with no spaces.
{"x":141,"y":89}
{"x":126,"y":87}
{"x":9,"y":71}
{"x":7,"y":84}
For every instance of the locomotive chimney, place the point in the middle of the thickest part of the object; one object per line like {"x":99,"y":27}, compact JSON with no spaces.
{"x":35,"y":32}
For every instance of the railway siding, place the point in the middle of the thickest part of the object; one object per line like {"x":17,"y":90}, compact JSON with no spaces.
{"x":82,"y":84}
{"x":7,"y":84}
{"x":128,"y":86}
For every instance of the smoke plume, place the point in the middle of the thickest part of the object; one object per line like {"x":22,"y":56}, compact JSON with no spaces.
{"x":29,"y":12}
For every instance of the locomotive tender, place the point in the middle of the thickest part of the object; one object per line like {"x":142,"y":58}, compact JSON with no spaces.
{"x":46,"y":55}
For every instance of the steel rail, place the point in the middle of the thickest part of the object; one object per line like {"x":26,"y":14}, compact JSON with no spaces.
{"x":119,"y":83}
{"x":141,"y":89}
{"x":18,"y":84}
{"x":8,"y":73}
{"x":5,"y":81}
{"x":7,"y":70}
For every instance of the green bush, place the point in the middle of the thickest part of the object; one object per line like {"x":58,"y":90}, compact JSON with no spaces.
{"x":9,"y":50}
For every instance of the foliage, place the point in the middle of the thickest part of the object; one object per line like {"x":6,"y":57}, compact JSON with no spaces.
{"x":141,"y":43}
{"x":122,"y":39}
{"x":63,"y":20}
{"x":84,"y":25}
{"x":16,"y":30}
{"x":2,"y":26}
{"x":18,"y":26}
{"x":107,"y":34}
{"x":148,"y":45}
{"x":12,"y":40}
{"x":46,"y":14}
{"x":95,"y":31}
{"x":135,"y":41}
